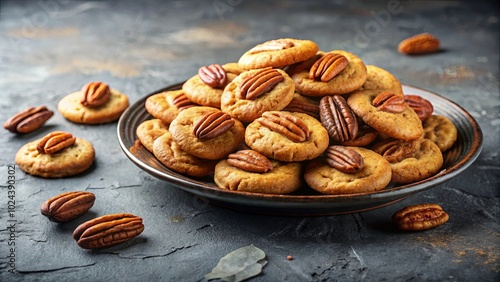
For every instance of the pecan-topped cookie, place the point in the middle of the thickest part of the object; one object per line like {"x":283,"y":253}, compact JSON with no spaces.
{"x":256,"y":91}
{"x":379,"y":78}
{"x":278,"y":53}
{"x":166,"y":105}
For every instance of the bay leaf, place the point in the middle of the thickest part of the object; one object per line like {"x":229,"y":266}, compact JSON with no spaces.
{"x":239,"y":264}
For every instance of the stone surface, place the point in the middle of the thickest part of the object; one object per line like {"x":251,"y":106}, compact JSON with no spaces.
{"x":50,"y":48}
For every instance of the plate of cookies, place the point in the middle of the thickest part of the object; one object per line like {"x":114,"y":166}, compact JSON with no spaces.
{"x":292,"y":130}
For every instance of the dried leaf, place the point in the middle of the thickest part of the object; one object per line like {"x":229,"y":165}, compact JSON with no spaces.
{"x":239,"y":265}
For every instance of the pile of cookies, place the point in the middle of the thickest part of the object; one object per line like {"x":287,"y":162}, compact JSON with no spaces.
{"x":287,"y":115}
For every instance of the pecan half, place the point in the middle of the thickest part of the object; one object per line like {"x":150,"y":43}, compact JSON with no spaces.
{"x":250,"y":160}
{"x":395,"y":151}
{"x":420,"y":217}
{"x":421,"y":106}
{"x":259,"y":83}
{"x":304,"y":107}
{"x":212,"y":125}
{"x":182,"y":102}
{"x":272,"y":45}
{"x":95,"y":94}
{"x":338,"y":118}
{"x":213,"y":75}
{"x":28,"y":120}
{"x":389,"y":102}
{"x":344,"y":159}
{"x":67,"y":206}
{"x":55,"y":142}
{"x":108,"y":230}
{"x":419,"y":44}
{"x":286,"y":124}
{"x":328,"y":66}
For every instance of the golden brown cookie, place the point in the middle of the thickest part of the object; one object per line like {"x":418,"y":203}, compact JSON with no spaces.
{"x":192,"y":129}
{"x":277,"y":178}
{"x":203,"y":94}
{"x":410,"y":161}
{"x":349,"y":79}
{"x":287,"y":136}
{"x":374,"y":175}
{"x":69,"y":161}
{"x":278,"y":53}
{"x":72,"y":108}
{"x":391,"y":117}
{"x":233,"y":67}
{"x":149,"y":130}
{"x":303,"y":104}
{"x":246,"y":108}
{"x":440,"y":130}
{"x":168,"y":152}
{"x":166,"y":105}
{"x":379,"y":78}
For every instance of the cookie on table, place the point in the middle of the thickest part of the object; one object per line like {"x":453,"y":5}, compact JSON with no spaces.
{"x":410,"y":161}
{"x":207,"y":133}
{"x":249,"y":171}
{"x":56,"y":155}
{"x":149,"y":130}
{"x":440,"y":130}
{"x":170,"y":154}
{"x":330,"y":175}
{"x":95,"y":103}
{"x":287,"y":136}
{"x":334,"y":72}
{"x":256,"y":91}
{"x":278,"y":53}
{"x":166,"y":105}
{"x":206,"y":87}
{"x":379,"y":78}
{"x":387,"y":113}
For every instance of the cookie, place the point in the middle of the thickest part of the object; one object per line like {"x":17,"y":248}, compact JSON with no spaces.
{"x":282,"y":178}
{"x":440,"y":130}
{"x":149,"y":130}
{"x":278,"y":53}
{"x":204,"y":94}
{"x":380,"y":79}
{"x":168,"y":152}
{"x":401,"y":123}
{"x":246,"y":109}
{"x":72,"y":108}
{"x":351,"y":78}
{"x":166,"y":105}
{"x":276,"y":136}
{"x":69,"y":161}
{"x":189,"y":122}
{"x":410,"y":161}
{"x":374,"y":175}
{"x":303,"y":104}
{"x":233,"y":67}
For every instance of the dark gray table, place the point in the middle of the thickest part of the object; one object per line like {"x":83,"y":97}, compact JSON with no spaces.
{"x":49,"y":48}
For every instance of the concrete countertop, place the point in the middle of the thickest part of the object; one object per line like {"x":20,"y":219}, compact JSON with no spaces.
{"x":50,"y":48}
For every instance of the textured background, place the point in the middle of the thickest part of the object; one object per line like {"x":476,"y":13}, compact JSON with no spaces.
{"x":50,"y":48}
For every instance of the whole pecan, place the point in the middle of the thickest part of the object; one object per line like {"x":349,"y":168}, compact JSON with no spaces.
{"x":213,"y":75}
{"x":67,"y":206}
{"x":182,"y":102}
{"x":421,"y":106}
{"x":272,"y":45}
{"x":259,"y":83}
{"x":420,"y":217}
{"x":108,"y":230}
{"x":395,"y":150}
{"x":212,"y":125}
{"x":344,"y":159}
{"x":28,"y":120}
{"x":338,"y":118}
{"x":328,"y":66}
{"x":419,"y":44}
{"x":250,"y":160}
{"x":286,"y":124}
{"x":55,"y":142}
{"x":95,"y":94}
{"x":389,"y":102}
{"x":304,"y":107}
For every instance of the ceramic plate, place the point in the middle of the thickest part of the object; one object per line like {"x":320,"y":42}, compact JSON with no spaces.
{"x":304,"y":201}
